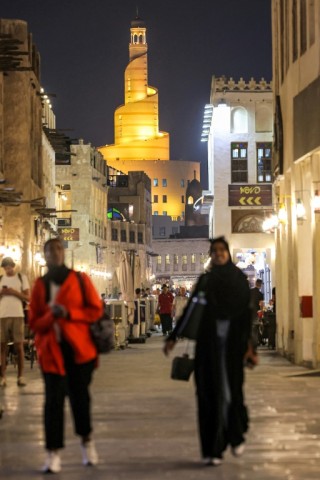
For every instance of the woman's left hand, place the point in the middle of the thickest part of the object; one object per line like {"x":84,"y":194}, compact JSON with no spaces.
{"x":59,"y":311}
{"x":251,"y":358}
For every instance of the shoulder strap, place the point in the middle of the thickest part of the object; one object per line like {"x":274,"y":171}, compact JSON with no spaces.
{"x":46,"y":283}
{"x":82,"y":287}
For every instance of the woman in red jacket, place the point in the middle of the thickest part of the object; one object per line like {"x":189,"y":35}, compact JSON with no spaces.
{"x":66,"y":353}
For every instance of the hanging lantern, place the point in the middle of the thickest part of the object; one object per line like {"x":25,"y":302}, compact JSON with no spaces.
{"x":300,"y":210}
{"x":316,"y":202}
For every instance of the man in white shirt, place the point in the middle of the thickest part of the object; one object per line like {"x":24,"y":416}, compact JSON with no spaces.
{"x":14,"y":290}
{"x":179,"y":302}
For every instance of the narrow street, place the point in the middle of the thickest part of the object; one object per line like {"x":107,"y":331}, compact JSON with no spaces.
{"x":145,"y":424}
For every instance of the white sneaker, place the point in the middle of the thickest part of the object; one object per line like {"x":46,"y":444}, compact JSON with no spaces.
{"x":3,"y":382}
{"x":89,"y":453}
{"x":216,"y":461}
{"x":238,"y":450}
{"x":21,"y":382}
{"x":207,"y":461}
{"x":53,"y":463}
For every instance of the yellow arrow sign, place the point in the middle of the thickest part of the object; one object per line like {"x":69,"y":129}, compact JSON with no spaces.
{"x":250,"y":201}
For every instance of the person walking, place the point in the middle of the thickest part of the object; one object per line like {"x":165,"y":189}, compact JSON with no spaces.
{"x":14,"y":290}
{"x":223,"y":346}
{"x":60,"y":319}
{"x":165,"y":301}
{"x":179,"y":303}
{"x":256,"y":299}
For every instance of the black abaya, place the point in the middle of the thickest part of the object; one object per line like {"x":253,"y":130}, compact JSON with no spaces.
{"x":222,"y":422}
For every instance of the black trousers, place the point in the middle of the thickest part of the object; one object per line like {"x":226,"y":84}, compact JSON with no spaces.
{"x":76,"y":385}
{"x":166,"y":322}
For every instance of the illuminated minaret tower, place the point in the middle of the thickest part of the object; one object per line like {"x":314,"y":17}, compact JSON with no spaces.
{"x":136,"y":123}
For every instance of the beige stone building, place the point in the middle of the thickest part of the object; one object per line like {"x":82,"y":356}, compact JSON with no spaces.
{"x":296,"y":67}
{"x":139,"y":145}
{"x":81,"y":203}
{"x":238,"y":125}
{"x":26,"y":185}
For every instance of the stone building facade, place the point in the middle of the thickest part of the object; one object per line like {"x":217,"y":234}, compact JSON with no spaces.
{"x":23,"y":144}
{"x":296,"y":67}
{"x":238,"y":125}
{"x":179,"y":262}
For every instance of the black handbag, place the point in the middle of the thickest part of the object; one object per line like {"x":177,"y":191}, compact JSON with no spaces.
{"x":189,"y":323}
{"x":182,"y":367}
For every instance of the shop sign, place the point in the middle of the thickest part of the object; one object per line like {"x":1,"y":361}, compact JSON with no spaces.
{"x":250,"y":195}
{"x":69,"y":234}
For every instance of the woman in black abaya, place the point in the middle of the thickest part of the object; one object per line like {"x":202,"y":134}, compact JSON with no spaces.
{"x":223,"y":347}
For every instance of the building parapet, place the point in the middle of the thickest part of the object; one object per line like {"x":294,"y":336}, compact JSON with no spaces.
{"x":222,"y":84}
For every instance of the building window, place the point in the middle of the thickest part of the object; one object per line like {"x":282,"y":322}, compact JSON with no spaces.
{"x":155,"y":198}
{"x":182,"y":183}
{"x":264,"y":160}
{"x":162,"y":231}
{"x":303,"y":26}
{"x":132,"y":237}
{"x":164,"y":213}
{"x":158,"y":267}
{"x":175,"y":262}
{"x":123,"y":235}
{"x":140,"y":237}
{"x":239,"y":162}
{"x":164,"y":182}
{"x":155,"y":182}
{"x":294,"y":31}
{"x":312,"y":25}
{"x":167,"y":263}
{"x":114,"y":234}
{"x":164,"y":198}
{"x":182,"y":198}
{"x":156,"y":213}
{"x":203,"y":258}
{"x":193,"y":262}
{"x":184,"y":261}
{"x":175,"y":230}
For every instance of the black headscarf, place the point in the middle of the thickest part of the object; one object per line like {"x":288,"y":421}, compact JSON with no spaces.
{"x":227,"y":289}
{"x":57,"y":274}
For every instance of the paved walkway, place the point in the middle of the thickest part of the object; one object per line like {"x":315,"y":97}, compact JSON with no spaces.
{"x":145,"y":426}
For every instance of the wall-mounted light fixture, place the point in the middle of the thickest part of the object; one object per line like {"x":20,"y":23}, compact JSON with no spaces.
{"x":300,"y":210}
{"x":316,"y":201}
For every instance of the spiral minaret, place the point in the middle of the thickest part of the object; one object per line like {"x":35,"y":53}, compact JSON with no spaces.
{"x":136,"y":123}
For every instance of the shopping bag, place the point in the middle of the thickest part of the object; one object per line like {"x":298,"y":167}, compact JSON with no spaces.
{"x":192,"y":316}
{"x":182,"y":367}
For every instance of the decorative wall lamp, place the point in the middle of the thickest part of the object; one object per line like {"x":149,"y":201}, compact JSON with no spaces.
{"x":270,"y":223}
{"x":316,"y":201}
{"x":282,"y":214}
{"x":300,"y":210}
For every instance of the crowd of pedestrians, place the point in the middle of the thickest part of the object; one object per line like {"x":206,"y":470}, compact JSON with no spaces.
{"x":61,"y":309}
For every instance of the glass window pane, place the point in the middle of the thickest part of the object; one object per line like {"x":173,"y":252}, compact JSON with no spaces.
{"x":243,"y":153}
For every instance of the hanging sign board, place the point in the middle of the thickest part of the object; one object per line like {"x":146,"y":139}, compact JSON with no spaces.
{"x":69,"y":234}
{"x":250,"y":195}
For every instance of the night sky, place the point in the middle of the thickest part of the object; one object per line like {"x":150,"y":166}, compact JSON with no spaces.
{"x":84,"y":52}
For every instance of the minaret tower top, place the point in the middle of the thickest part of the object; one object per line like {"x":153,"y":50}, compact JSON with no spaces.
{"x":138,"y":45}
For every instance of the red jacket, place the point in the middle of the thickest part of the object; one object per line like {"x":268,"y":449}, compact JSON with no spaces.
{"x":165,"y":302}
{"x":75,"y":329}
